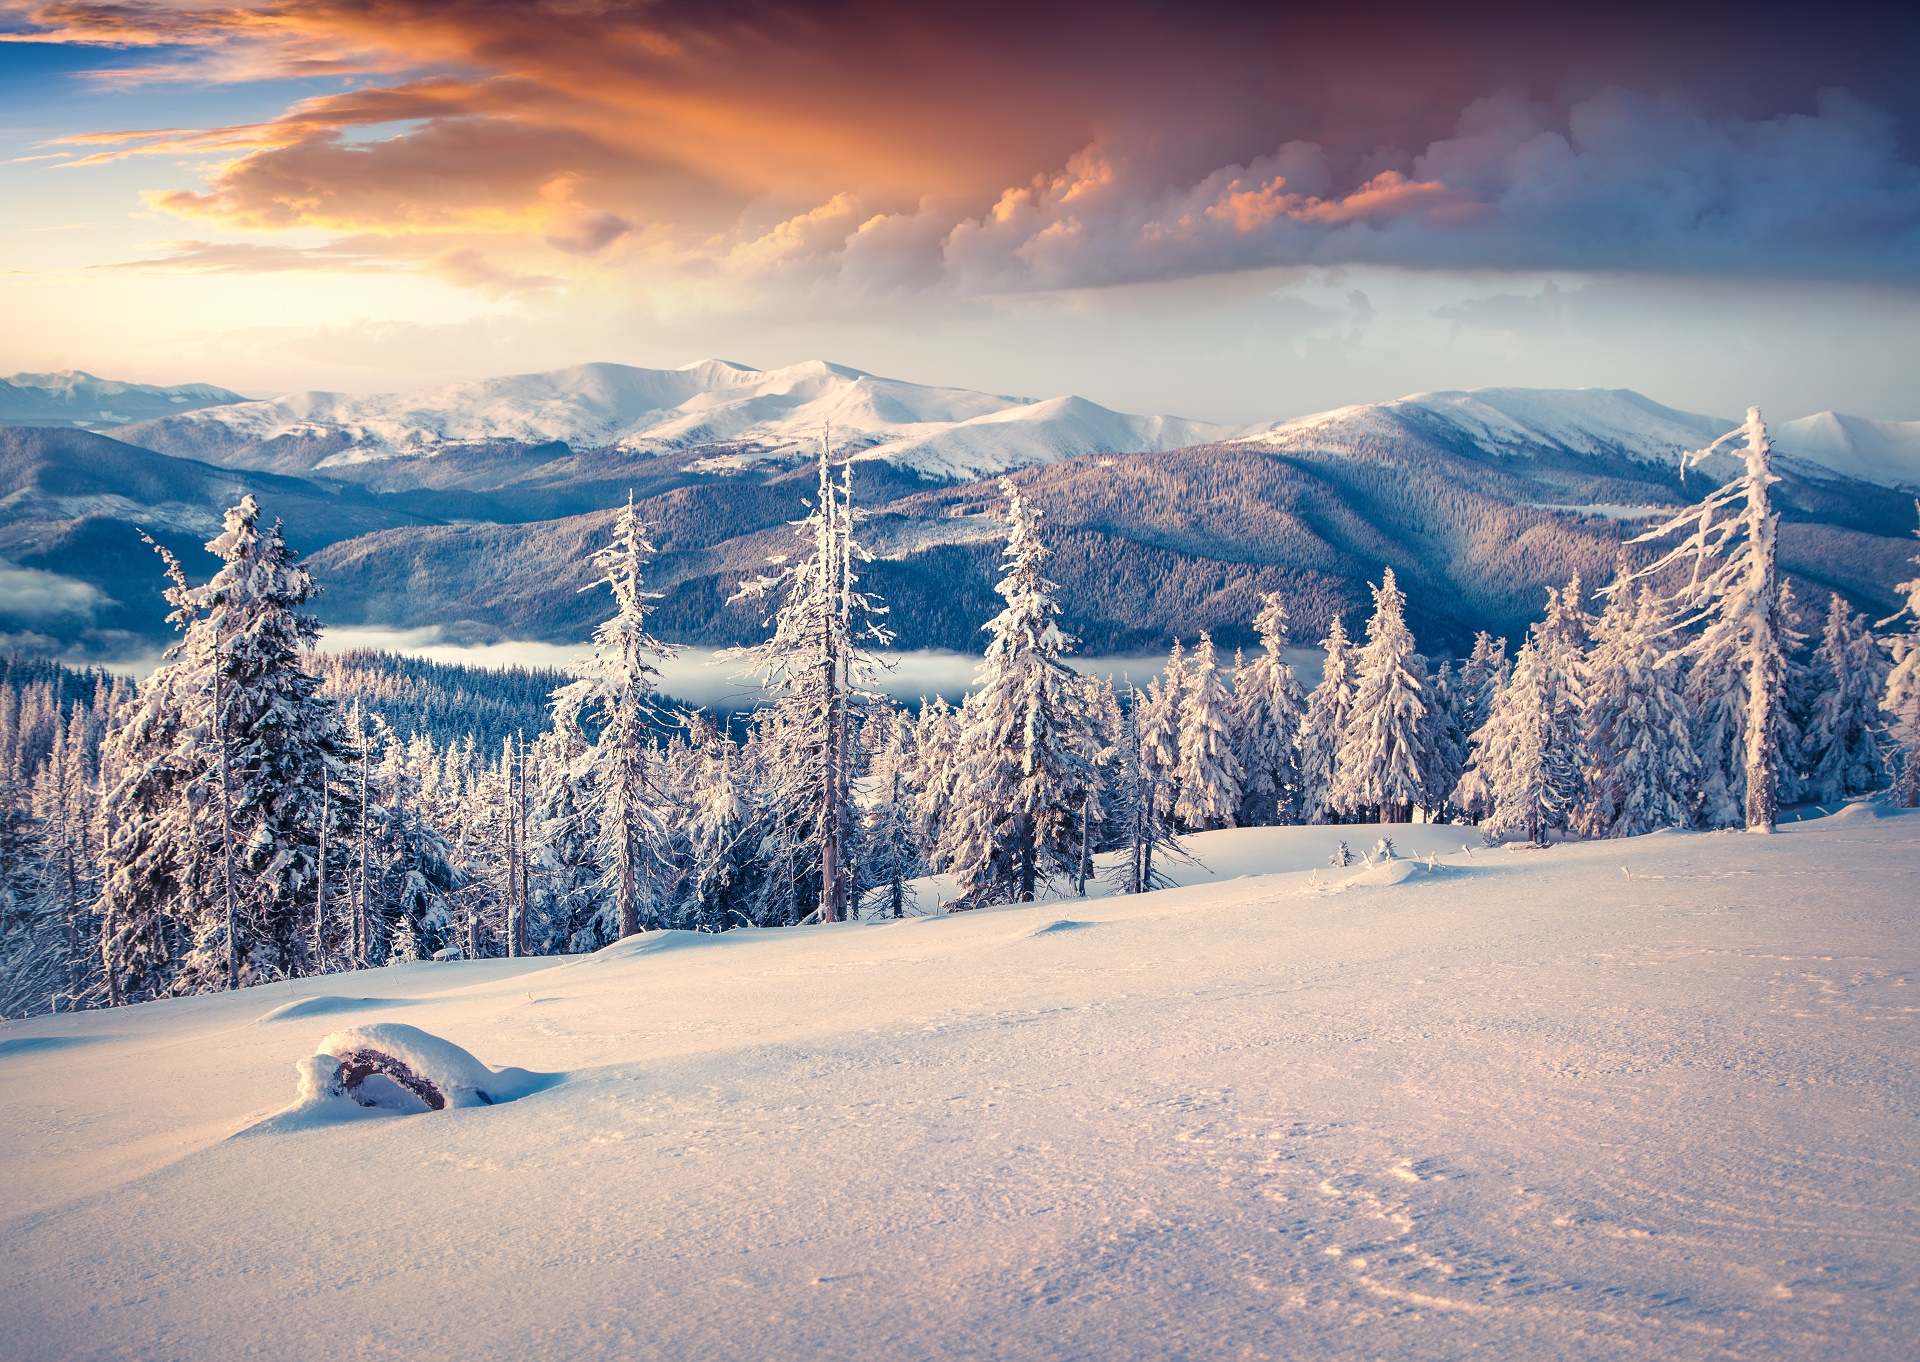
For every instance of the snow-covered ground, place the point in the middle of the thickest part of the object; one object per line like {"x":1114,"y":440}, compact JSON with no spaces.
{"x":1649,"y":1099}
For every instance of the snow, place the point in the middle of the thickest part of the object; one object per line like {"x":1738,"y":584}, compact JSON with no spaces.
{"x":1515,"y":421}
{"x":1886,"y":452}
{"x":1529,"y":1107}
{"x":949,"y":432}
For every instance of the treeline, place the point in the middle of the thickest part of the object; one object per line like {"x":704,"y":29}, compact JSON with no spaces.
{"x":252,"y":812}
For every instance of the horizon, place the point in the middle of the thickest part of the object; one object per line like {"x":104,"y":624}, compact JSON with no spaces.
{"x":1250,"y":214}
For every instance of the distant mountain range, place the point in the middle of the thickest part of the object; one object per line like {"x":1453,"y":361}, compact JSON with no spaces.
{"x":734,"y":417}
{"x":475,"y":505}
{"x":75,"y":399}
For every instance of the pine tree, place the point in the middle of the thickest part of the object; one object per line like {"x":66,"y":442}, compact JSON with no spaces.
{"x":1269,"y":713}
{"x":1381,"y":755}
{"x":617,"y":685}
{"x":1209,"y":772}
{"x":1843,"y":739}
{"x":1738,"y":678}
{"x":1024,"y":741}
{"x":1326,"y":726}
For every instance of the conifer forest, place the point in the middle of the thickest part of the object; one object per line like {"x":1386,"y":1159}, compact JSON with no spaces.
{"x":254,"y":810}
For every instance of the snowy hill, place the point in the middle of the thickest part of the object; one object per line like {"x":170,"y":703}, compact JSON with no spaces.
{"x":1603,"y":422}
{"x":736,"y":413}
{"x":1649,"y":1098}
{"x":1512,"y":421}
{"x":1886,"y":452}
{"x":74,"y":398}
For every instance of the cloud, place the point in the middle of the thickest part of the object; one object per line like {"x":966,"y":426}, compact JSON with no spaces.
{"x":465,"y":267}
{"x":753,"y":153}
{"x":31,"y":595}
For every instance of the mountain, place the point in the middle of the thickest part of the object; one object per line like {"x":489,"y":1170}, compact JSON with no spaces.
{"x":1885,"y":452}
{"x":715,"y":417}
{"x":1480,"y":501}
{"x":73,"y":505}
{"x":77,"y":399}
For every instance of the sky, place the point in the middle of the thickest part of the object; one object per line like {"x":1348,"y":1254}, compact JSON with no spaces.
{"x":1233,"y":212}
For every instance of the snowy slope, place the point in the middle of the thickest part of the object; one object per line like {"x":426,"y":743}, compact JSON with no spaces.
{"x":1648,"y":1099}
{"x":1886,"y":452}
{"x":73,"y":398}
{"x":944,"y":432}
{"x":1594,"y":421}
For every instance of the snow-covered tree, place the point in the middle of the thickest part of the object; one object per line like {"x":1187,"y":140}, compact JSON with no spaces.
{"x":617,"y":684}
{"x":1843,"y":742}
{"x":1641,"y":773}
{"x":1137,"y":814}
{"x":1732,"y":588}
{"x":212,"y":819}
{"x":1024,"y":740}
{"x":1269,"y":711}
{"x":1901,"y":702}
{"x":1528,"y":755}
{"x":1209,"y":775}
{"x":1443,"y":743}
{"x":887,"y":826}
{"x":816,"y":664}
{"x":1381,"y":755}
{"x":1325,"y":727}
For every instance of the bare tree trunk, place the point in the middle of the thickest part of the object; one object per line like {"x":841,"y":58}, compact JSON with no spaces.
{"x":1086,"y":844}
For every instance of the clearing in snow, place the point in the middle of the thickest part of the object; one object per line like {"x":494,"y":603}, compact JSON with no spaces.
{"x":1652,"y":1098}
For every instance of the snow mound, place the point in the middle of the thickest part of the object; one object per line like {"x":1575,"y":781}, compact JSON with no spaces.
{"x":652,"y":943}
{"x":389,"y":1068}
{"x":1058,"y":927}
{"x":1393,"y":872}
{"x":326,"y":1004}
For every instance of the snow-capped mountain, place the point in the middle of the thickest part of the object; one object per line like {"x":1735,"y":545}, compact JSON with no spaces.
{"x":1603,"y":422}
{"x":731,"y":413}
{"x":1886,"y":452}
{"x":75,"y":398}
{"x":1516,"y":421}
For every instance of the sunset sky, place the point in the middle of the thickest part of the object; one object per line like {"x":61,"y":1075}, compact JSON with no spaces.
{"x":1232,"y":212}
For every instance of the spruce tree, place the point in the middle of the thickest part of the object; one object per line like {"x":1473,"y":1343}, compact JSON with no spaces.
{"x":213,"y":818}
{"x":1269,"y":713}
{"x":1209,"y":773}
{"x":816,"y":665}
{"x":1382,"y":754}
{"x":1739,"y":670}
{"x":1023,"y":744}
{"x":1326,"y":725}
{"x":617,"y":686}
{"x":1843,"y":739}
{"x":1641,"y":773}
{"x":1901,"y":702}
